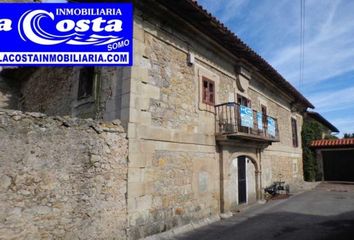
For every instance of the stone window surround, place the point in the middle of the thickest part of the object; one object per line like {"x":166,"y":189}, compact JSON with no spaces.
{"x":208,"y":96}
{"x":244,"y":98}
{"x":263,"y":102}
{"x":295,"y":135}
{"x":205,"y":73}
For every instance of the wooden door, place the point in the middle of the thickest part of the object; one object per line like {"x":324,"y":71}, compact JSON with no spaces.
{"x":242,"y":191}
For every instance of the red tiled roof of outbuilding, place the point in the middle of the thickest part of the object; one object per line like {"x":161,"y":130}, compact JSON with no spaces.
{"x":346,"y":142}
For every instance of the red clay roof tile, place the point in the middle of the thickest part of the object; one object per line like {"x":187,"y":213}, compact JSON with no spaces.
{"x":346,"y":142}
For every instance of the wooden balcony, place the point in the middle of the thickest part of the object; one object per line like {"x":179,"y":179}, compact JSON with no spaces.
{"x":231,"y":125}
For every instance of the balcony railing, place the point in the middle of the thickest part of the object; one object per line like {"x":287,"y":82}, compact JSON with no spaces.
{"x":250,"y":124}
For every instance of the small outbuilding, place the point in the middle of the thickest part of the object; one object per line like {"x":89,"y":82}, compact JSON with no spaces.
{"x":335,"y":159}
{"x":327,"y":128}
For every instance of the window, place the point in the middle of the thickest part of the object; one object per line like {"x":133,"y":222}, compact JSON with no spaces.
{"x":243,"y":101}
{"x":86,"y":81}
{"x":208,"y":91}
{"x":294,"y":132}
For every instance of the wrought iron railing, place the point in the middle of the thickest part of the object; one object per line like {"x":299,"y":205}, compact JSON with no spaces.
{"x":229,"y":121}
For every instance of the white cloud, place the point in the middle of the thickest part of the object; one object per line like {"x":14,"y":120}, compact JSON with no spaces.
{"x":329,"y":48}
{"x":345,"y":125}
{"x":272,"y":28}
{"x":330,"y":101}
{"x":227,"y":9}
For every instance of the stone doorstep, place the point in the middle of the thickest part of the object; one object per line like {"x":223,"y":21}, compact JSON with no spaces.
{"x":183,"y":229}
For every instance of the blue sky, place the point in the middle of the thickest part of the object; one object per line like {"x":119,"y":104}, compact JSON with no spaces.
{"x":272,"y":29}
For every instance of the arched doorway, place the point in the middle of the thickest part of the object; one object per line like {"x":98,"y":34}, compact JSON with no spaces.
{"x":229,"y":192}
{"x":246,"y":180}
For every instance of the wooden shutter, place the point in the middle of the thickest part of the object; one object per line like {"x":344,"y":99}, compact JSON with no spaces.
{"x":264,"y":116}
{"x":294,"y":132}
{"x":208,"y":91}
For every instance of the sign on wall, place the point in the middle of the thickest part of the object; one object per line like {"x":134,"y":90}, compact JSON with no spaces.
{"x":246,"y":116}
{"x":66,"y":34}
{"x":271,"y":126}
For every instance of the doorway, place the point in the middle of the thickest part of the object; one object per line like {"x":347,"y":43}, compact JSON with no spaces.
{"x":242,"y":181}
{"x":338,"y":165}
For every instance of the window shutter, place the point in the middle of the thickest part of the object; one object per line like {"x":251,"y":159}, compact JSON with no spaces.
{"x":294,"y":132}
{"x":211,"y":92}
{"x":208,"y":94}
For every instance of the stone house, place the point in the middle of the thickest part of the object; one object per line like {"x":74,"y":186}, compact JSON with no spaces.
{"x":327,"y":127}
{"x":195,"y":148}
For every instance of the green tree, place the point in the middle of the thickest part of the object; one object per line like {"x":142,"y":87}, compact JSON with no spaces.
{"x":348,"y":135}
{"x":311,"y":130}
{"x":330,"y":137}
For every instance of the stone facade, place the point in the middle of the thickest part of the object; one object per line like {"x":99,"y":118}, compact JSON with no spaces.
{"x":178,"y":172}
{"x":62,"y":178}
{"x":168,"y":124}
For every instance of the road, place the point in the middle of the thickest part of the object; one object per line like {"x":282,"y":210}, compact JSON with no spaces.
{"x":325,"y":213}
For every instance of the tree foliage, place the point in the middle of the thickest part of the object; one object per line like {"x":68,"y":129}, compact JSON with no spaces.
{"x":348,"y":135}
{"x":330,"y":137}
{"x":311,"y":130}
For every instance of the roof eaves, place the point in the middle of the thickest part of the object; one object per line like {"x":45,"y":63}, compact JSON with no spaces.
{"x":318,"y":117}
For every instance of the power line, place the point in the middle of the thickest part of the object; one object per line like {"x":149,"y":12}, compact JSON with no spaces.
{"x":302,"y":42}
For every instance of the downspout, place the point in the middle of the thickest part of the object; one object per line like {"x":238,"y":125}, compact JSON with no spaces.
{"x":221,"y":170}
{"x":259,"y":176}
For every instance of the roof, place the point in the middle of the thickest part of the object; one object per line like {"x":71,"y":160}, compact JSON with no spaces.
{"x":209,"y":25}
{"x":319,"y":118}
{"x":330,"y":143}
{"x":204,"y":21}
{"x":196,"y":15}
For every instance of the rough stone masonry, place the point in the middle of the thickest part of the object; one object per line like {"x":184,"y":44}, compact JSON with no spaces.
{"x":61,"y":178}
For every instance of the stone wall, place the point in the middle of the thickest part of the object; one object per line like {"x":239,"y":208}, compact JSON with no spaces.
{"x":49,"y":90}
{"x":61,"y":178}
{"x":53,"y":91}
